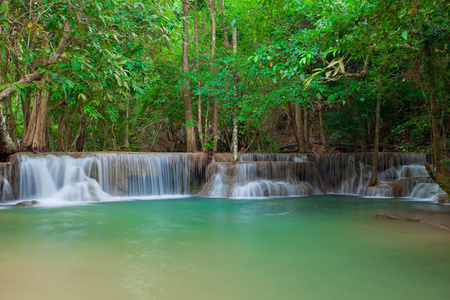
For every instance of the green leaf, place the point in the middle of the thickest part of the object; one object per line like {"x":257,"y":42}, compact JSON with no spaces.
{"x":119,"y":80}
{"x":72,"y":22}
{"x":4,"y":6}
{"x":75,"y":64}
{"x":233,"y":23}
{"x":405,"y":34}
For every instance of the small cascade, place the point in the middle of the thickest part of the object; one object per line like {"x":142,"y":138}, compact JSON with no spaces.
{"x":6,"y":190}
{"x":261,"y":179}
{"x":99,"y":176}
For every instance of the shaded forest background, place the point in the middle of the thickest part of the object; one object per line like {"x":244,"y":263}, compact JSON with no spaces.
{"x":114,"y":75}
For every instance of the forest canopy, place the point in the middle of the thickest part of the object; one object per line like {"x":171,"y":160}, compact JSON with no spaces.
{"x":138,"y":75}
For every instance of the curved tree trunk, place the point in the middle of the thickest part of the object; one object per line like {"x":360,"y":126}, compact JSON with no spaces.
{"x":7,"y":145}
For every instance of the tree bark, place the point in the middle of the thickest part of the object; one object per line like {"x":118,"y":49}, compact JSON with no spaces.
{"x":373,"y":179}
{"x":235,"y":122}
{"x":322,"y":134}
{"x":127,"y":114}
{"x":299,"y":130}
{"x":185,"y":91}
{"x":226,"y":41}
{"x":305,"y":127}
{"x":430,"y":73}
{"x":199,"y":96}
{"x":7,"y":146}
{"x":437,"y":172}
{"x":212,"y":10}
{"x":37,"y":126}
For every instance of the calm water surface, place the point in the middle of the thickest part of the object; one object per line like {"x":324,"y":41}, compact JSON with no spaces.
{"x":295,"y":248}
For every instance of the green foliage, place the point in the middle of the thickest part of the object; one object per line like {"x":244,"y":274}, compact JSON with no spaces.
{"x":338,"y":57}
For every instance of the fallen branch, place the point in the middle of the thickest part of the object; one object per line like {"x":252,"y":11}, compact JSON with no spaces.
{"x":411,"y":220}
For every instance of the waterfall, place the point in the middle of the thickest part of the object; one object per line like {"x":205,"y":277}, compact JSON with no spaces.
{"x":111,"y":176}
{"x":100,"y":176}
{"x":260,"y":175}
{"x":285,"y":177}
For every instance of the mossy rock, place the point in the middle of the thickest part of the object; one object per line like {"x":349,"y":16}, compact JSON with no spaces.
{"x":27,"y":203}
{"x":443,"y":198}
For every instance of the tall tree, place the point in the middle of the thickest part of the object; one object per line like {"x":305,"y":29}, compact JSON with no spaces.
{"x":185,"y":90}
{"x":235,"y":106}
{"x":212,"y":9}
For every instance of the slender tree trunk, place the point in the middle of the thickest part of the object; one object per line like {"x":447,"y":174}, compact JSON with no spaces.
{"x":373,"y":180}
{"x":185,"y":93}
{"x":322,"y":134}
{"x":199,"y":96}
{"x":235,"y":122}
{"x":357,"y":166}
{"x":212,"y":10}
{"x":299,"y":130}
{"x":305,"y":127}
{"x":60,"y":139}
{"x":364,"y":142}
{"x":127,"y":114}
{"x":430,"y":73}
{"x":226,"y":41}
{"x":49,"y":133}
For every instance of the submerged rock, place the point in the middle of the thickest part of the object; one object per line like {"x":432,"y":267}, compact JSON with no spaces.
{"x":27,"y":203}
{"x":443,"y":198}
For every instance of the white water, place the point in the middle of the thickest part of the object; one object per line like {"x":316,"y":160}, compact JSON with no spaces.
{"x":102,"y":177}
{"x":119,"y":176}
{"x":399,"y":175}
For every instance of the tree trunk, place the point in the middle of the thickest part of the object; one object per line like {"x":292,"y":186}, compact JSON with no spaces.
{"x":199,"y":96}
{"x":235,"y":122}
{"x":212,"y":9}
{"x":364,"y":142}
{"x":430,"y":73}
{"x":305,"y":127}
{"x":185,"y":91}
{"x":373,"y":179}
{"x":438,"y":172}
{"x":127,"y":114}
{"x":7,"y":145}
{"x":226,"y":42}
{"x":322,"y":135}
{"x":60,"y":140}
{"x":49,"y":133}
{"x":299,"y":130}
{"x":37,"y":126}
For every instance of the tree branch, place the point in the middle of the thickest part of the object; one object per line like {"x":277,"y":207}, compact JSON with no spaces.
{"x":38,"y":75}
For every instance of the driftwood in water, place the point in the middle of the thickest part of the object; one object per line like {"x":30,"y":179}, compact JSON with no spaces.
{"x":410,"y":220}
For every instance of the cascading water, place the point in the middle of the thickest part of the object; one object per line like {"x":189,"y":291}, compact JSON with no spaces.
{"x":6,"y":191}
{"x":107,"y":176}
{"x":261,"y":179}
{"x":99,"y":176}
{"x":258,"y":175}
